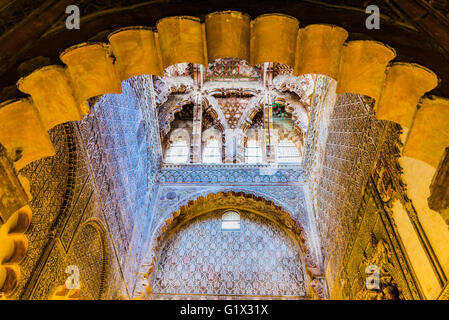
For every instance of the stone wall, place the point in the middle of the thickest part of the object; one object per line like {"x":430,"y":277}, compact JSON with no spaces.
{"x":91,"y":201}
{"x":388,"y":217}
{"x":375,"y":242}
{"x":123,"y":150}
{"x":179,"y":185}
{"x":350,"y":150}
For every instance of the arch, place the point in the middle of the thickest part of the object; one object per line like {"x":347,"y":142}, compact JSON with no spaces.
{"x":176,"y":136}
{"x":302,"y":86}
{"x":180,"y":134}
{"x":165,"y":86}
{"x":211,"y":139}
{"x":230,"y":215}
{"x":214,"y":110}
{"x":254,"y":106}
{"x":167,"y":111}
{"x":174,"y":104}
{"x":293,"y":105}
{"x":229,"y":201}
{"x":238,"y":189}
{"x":235,"y":262}
{"x":92,"y":71}
{"x":13,"y":248}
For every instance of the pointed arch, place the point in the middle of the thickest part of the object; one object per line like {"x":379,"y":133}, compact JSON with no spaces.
{"x":231,"y":200}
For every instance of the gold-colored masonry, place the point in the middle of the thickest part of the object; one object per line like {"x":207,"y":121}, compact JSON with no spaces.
{"x":59,"y":94}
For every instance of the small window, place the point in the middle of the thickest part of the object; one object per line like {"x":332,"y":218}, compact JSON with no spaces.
{"x":253,"y":152}
{"x":178,"y":152}
{"x":230,"y":221}
{"x":287,"y":152}
{"x":211,"y":152}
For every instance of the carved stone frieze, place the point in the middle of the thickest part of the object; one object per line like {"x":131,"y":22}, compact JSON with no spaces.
{"x":231,"y":173}
{"x":374,"y":241}
{"x":381,"y":258}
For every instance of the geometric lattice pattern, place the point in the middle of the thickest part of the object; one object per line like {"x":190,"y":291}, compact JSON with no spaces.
{"x":87,"y":253}
{"x":48,"y":179}
{"x":200,"y":259}
{"x":352,"y":141}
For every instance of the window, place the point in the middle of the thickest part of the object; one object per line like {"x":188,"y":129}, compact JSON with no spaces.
{"x":287,"y":152}
{"x":230,"y":221}
{"x":211,"y":152}
{"x":253,"y":152}
{"x":178,"y":152}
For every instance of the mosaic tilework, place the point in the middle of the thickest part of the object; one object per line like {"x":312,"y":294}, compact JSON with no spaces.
{"x":104,"y":168}
{"x":51,"y":275}
{"x":165,"y":296}
{"x":172,"y":197}
{"x":260,"y":260}
{"x":121,"y":142}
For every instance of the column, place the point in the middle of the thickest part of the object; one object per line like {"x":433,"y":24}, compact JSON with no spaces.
{"x":239,"y":146}
{"x":195,"y":155}
{"x":229,"y":145}
{"x":268,"y":127}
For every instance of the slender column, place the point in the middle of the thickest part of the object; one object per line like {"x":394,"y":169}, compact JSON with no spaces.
{"x":262,"y":144}
{"x":195,"y":156}
{"x":196,"y":146}
{"x":197,"y":74}
{"x":229,"y":145}
{"x":274,"y":144}
{"x":268,"y":126}
{"x":270,"y":156}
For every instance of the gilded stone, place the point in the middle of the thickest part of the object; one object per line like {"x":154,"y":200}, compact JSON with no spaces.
{"x":319,"y":50}
{"x":181,"y":40}
{"x":137,"y":52}
{"x":273,"y":38}
{"x":22,"y":133}
{"x":422,"y":143}
{"x":227,"y":35}
{"x":91,"y":69}
{"x":362,"y":67}
{"x":404,"y":85}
